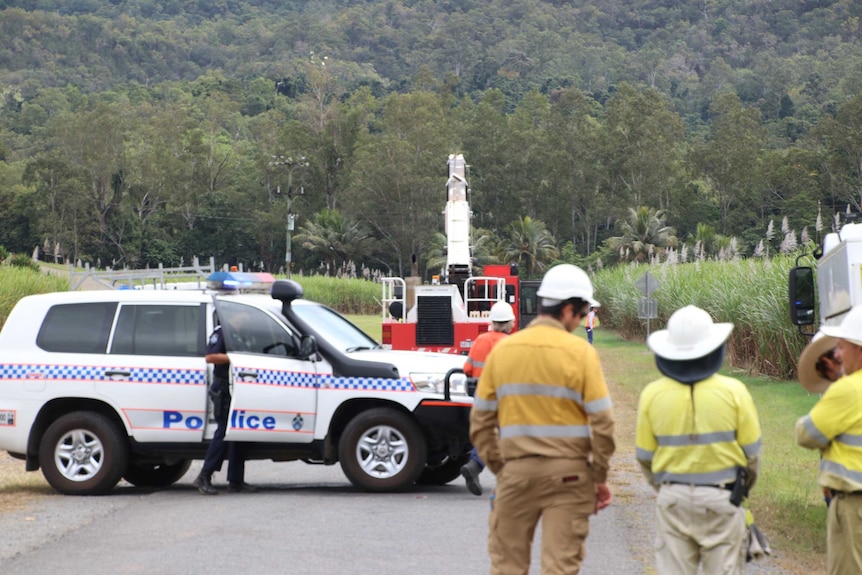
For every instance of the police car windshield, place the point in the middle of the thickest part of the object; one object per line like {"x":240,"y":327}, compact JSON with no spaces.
{"x":334,"y":328}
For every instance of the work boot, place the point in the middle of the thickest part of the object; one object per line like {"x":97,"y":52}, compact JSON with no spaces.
{"x":204,"y":484}
{"x":471,"y":472}
{"x":241,"y":487}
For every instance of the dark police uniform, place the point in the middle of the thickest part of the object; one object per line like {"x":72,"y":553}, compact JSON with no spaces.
{"x":220,"y":393}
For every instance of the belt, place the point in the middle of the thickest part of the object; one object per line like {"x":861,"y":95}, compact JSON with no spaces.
{"x":728,"y":486}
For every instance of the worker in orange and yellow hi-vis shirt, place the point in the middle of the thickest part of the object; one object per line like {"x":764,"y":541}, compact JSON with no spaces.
{"x":502,"y":318}
{"x":542,"y":421}
{"x":834,"y":426}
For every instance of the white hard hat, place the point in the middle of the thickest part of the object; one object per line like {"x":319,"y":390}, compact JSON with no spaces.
{"x":502,"y":311}
{"x":565,"y":281}
{"x":809,"y":377}
{"x":849,"y":329}
{"x":690,"y":334}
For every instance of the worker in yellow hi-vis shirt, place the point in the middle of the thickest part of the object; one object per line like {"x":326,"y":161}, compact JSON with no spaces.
{"x":834,"y":426}
{"x":542,"y":422}
{"x":698,"y":443}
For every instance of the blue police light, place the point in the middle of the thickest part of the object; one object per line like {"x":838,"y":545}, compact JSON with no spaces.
{"x":240,"y":282}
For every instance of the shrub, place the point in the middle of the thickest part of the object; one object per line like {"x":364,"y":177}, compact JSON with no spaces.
{"x":23,"y":261}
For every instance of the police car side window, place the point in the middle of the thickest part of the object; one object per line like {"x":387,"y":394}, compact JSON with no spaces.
{"x":158,"y":330}
{"x":77,"y":328}
{"x":255,"y":332}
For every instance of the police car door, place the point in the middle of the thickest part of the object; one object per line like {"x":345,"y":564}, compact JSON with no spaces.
{"x":273,"y":392}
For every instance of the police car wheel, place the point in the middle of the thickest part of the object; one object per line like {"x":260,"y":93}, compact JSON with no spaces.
{"x":83,"y":453}
{"x":443,"y":473}
{"x":156,"y":474}
{"x":382,"y":450}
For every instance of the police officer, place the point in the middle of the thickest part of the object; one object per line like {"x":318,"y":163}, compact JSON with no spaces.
{"x":834,"y":426}
{"x":216,"y":354}
{"x":698,"y":443}
{"x":502,"y":318}
{"x":542,"y":421}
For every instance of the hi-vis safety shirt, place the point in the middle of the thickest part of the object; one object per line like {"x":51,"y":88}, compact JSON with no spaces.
{"x":697,"y":434}
{"x":479,"y":352}
{"x":542,"y":393}
{"x":834,"y":426}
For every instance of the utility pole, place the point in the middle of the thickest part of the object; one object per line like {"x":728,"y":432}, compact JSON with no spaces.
{"x":290,"y":164}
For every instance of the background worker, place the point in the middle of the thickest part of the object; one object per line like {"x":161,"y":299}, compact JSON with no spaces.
{"x":818,"y":365}
{"x":834,"y":426}
{"x":818,"y":368}
{"x":543,"y":423}
{"x":502,"y":321}
{"x":216,"y":354}
{"x":695,"y":430}
{"x":591,"y":323}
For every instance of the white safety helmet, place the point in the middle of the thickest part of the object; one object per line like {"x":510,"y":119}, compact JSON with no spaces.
{"x":565,"y":281}
{"x":502,"y":311}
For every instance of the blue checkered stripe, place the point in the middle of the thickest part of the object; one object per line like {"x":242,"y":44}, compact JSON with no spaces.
{"x":306,"y":380}
{"x":281,"y":378}
{"x":97,"y":373}
{"x":365,"y":383}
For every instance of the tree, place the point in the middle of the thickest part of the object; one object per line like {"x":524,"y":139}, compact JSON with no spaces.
{"x":529,"y":244}
{"x":397,"y":182}
{"x":642,"y":234}
{"x":335,"y":239}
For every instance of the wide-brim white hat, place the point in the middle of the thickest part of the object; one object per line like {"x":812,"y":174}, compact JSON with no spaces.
{"x":809,"y":377}
{"x":850,"y":327}
{"x":690,"y":334}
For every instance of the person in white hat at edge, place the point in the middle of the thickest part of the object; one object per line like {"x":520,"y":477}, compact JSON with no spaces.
{"x":834,"y":427}
{"x":818,"y":364}
{"x":698,"y":444}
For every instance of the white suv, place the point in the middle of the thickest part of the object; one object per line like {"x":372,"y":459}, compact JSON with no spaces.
{"x":102,"y":385}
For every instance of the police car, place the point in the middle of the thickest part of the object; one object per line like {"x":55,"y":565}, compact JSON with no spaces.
{"x":100,"y":386}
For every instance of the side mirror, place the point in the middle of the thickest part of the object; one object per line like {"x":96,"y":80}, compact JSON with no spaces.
{"x":802,"y":300}
{"x":307,"y":346}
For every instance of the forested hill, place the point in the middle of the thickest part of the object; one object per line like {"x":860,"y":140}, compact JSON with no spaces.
{"x":138,"y":132}
{"x":800,"y":52}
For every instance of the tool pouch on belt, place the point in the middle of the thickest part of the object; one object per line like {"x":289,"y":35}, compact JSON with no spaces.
{"x":740,"y":487}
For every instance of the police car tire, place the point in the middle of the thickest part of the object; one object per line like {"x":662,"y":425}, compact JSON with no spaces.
{"x":85,"y":430}
{"x":368,"y":427}
{"x":156,"y":474}
{"x":443,"y":473}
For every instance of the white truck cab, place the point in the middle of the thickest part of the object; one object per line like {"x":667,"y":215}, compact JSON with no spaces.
{"x":838,"y":280}
{"x":100,"y":386}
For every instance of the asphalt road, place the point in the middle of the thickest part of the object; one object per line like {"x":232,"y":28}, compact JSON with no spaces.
{"x":305,"y":520}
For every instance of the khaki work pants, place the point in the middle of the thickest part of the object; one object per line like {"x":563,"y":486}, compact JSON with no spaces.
{"x":844,"y":534}
{"x":559,"y":491}
{"x":699,"y":525}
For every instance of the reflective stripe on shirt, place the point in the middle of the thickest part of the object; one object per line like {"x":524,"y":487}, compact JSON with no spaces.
{"x":849,"y":439}
{"x":813,"y":432}
{"x":510,"y":431}
{"x":555,"y":391}
{"x":484,"y":404}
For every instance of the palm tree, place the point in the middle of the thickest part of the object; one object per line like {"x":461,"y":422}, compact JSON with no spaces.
{"x":529,"y":244}
{"x":336,"y":239}
{"x":644,"y":232}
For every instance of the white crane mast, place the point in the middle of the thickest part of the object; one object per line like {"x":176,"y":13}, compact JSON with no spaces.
{"x":457,"y":214}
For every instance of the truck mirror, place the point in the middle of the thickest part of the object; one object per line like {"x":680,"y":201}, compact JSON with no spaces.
{"x":802,"y":296}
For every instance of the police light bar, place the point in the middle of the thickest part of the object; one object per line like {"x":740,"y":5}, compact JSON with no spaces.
{"x":240,"y":282}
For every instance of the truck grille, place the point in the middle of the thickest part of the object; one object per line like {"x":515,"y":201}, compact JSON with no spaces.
{"x":434,"y":321}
